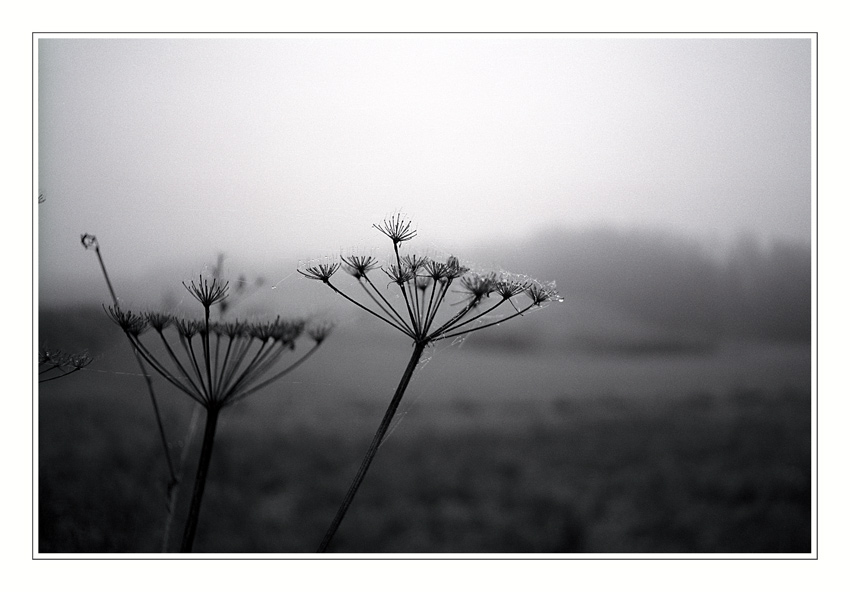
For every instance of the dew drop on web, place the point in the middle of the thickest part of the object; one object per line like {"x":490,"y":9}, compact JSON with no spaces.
{"x":458,"y":341}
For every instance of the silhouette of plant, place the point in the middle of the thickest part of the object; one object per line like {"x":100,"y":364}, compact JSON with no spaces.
{"x":51,"y":361}
{"x":424,"y":284}
{"x":216,"y":364}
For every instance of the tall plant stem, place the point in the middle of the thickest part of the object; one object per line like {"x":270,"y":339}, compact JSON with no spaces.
{"x":373,"y":448}
{"x":172,"y":487}
{"x":172,"y":490}
{"x":200,"y":480}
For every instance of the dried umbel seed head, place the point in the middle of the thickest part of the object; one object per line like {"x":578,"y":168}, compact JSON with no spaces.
{"x":158,"y":320}
{"x":187,"y":328}
{"x":232,"y":329}
{"x":399,"y":275}
{"x":61,"y":361}
{"x":454,"y":269}
{"x":207,"y":293}
{"x":540,"y":293}
{"x":414,"y":263}
{"x":424,"y":287}
{"x":319,"y":330}
{"x":129,"y":322}
{"x":508,"y":287}
{"x":321,"y":272}
{"x":359,"y":266}
{"x":478,"y":286}
{"x":396,"y":228}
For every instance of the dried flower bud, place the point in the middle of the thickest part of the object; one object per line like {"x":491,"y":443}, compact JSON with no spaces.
{"x":540,"y":294}
{"x":187,"y":328}
{"x":130,"y":322}
{"x":396,"y":229}
{"x":158,"y":320}
{"x":508,"y":287}
{"x":319,"y":330}
{"x":399,"y":275}
{"x":358,"y":265}
{"x":479,"y":286}
{"x":321,"y":272}
{"x":207,"y":293}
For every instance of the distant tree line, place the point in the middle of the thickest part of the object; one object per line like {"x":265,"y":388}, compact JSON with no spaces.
{"x":672,"y":282}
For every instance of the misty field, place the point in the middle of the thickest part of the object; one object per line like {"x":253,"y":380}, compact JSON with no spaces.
{"x":500,"y":449}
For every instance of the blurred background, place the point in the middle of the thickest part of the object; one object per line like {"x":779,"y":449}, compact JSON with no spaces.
{"x":663,"y":183}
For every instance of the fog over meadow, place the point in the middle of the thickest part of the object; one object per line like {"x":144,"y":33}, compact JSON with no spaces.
{"x":660,"y":402}
{"x":278,"y":149}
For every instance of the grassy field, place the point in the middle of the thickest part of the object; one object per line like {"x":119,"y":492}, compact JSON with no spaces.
{"x":497,"y":451}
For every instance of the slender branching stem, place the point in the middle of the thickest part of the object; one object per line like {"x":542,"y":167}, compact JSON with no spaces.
{"x":172,"y":486}
{"x":159,"y":425}
{"x":220,"y":380}
{"x":59,"y":376}
{"x":105,"y":274}
{"x":194,"y":388}
{"x":401,"y":327}
{"x":53,"y":367}
{"x":154,"y":363}
{"x":459,"y":333}
{"x":441,"y":296}
{"x":207,"y":353}
{"x":190,"y":350}
{"x":413,"y":319}
{"x":369,"y":310}
{"x":455,"y":324}
{"x":200,"y":479}
{"x":249,"y":367}
{"x":230,"y":399}
{"x":418,"y":348}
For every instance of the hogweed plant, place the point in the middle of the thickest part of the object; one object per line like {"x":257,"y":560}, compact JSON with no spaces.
{"x":429,"y":313}
{"x":215,"y":363}
{"x":54,"y":363}
{"x":89,"y":241}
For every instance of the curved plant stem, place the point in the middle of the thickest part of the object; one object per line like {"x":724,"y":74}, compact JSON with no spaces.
{"x":373,"y":448}
{"x":200,"y":480}
{"x":173,"y":483}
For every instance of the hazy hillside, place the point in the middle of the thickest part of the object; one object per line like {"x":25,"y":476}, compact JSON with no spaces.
{"x":625,"y":291}
{"x":639,"y":289}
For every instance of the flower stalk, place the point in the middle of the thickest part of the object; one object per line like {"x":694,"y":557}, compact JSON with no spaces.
{"x":216,"y":364}
{"x":172,"y":487}
{"x":425,"y":285}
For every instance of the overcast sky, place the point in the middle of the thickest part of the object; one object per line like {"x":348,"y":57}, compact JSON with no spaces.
{"x":275,"y":148}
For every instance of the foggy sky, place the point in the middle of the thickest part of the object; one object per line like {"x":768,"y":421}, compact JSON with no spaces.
{"x":270,"y":148}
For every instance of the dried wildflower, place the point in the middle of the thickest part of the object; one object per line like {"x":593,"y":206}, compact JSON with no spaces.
{"x":207,"y":293}
{"x":540,"y":293}
{"x":400,"y":274}
{"x":158,"y":321}
{"x":413,"y":262}
{"x":478,"y":286}
{"x":216,"y":364}
{"x":129,"y":322}
{"x":53,"y":361}
{"x":187,"y":328}
{"x":359,"y":265}
{"x":508,"y":287}
{"x":319,"y":330}
{"x":321,"y":272}
{"x":424,"y":286}
{"x":396,"y":229}
{"x":454,"y":269}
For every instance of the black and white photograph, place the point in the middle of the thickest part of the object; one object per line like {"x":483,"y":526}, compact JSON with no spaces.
{"x":459,"y":295}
